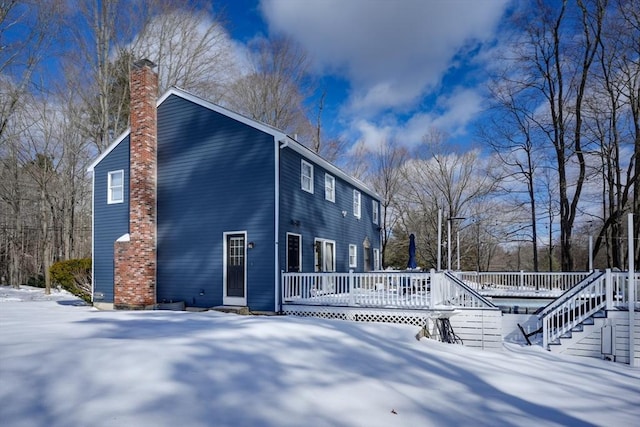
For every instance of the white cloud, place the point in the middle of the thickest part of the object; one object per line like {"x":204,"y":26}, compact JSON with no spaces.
{"x":392,"y":53}
{"x":450,"y":115}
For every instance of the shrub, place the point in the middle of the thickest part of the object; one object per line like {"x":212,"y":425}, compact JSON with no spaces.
{"x":35,"y":281}
{"x":73,"y":275}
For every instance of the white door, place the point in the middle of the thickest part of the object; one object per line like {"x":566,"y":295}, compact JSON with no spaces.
{"x":235,"y":269}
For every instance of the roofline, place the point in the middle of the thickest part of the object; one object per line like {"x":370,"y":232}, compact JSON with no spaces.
{"x":277,"y":134}
{"x":109,"y":149}
{"x":316,"y":158}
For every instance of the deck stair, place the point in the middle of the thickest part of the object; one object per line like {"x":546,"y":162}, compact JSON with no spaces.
{"x":574,"y":310}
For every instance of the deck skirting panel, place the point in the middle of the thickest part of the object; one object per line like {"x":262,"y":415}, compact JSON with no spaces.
{"x":479,"y":328}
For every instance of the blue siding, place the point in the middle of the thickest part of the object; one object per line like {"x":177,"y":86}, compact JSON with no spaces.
{"x":320,"y":218}
{"x":110,"y":221}
{"x":215,"y":175}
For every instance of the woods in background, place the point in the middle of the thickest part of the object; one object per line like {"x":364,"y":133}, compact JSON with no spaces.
{"x":555,"y":163}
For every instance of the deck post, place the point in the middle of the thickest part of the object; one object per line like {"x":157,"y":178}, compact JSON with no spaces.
{"x":352,"y":296}
{"x":608,"y":280}
{"x":632,"y":292}
{"x":521,"y":284}
{"x":435,"y":288}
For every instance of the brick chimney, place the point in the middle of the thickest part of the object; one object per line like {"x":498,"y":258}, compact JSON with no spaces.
{"x":135,"y":259}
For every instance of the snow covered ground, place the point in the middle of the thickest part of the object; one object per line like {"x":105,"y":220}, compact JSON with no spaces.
{"x":66,"y":364}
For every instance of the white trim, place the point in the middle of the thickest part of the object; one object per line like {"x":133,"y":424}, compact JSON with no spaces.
{"x":303,"y":164}
{"x":333,"y":169}
{"x":332,"y":180}
{"x":93,"y":235}
{"x":277,"y":134}
{"x":299,"y":250}
{"x":376,"y":259}
{"x":233,"y":300}
{"x":110,"y":199}
{"x":375,"y":214}
{"x":276,"y":248}
{"x":333,"y":253}
{"x":109,"y":149}
{"x":124,"y":238}
{"x":353,"y":264}
{"x":357,"y":204}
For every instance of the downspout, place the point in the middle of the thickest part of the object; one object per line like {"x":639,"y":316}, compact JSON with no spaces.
{"x":277,"y":147}
{"x":93,"y":234}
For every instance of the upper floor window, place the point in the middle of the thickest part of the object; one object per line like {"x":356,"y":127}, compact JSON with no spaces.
{"x":329,"y":188}
{"x":353,"y":256}
{"x":306,"y":176}
{"x":115,"y":187}
{"x":376,"y":259}
{"x":374,"y":213}
{"x":356,"y":203}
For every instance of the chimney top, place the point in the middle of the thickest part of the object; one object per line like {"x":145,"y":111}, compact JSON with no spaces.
{"x":141,"y":63}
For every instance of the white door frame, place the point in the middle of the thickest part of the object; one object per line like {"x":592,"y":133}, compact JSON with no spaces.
{"x":299,"y":250}
{"x":227,"y":300}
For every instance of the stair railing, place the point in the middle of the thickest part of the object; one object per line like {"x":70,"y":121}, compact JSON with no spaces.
{"x":448,"y":290}
{"x":573,"y":308}
{"x":579,"y":287}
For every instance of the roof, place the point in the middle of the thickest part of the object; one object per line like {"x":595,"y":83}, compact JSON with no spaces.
{"x":284,"y":139}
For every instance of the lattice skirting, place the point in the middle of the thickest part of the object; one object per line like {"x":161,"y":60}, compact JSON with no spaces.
{"x":359,"y":314}
{"x":477,"y":327}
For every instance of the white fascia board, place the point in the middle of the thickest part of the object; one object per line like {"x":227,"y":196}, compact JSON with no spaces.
{"x":310,"y":155}
{"x":109,"y":149}
{"x":276,"y":133}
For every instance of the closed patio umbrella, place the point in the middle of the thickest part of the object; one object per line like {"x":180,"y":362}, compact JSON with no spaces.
{"x":412,"y":252}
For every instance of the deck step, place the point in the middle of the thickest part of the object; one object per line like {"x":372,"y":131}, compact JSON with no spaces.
{"x":242,"y":310}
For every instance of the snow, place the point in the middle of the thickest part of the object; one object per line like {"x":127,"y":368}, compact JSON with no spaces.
{"x":63,"y":363}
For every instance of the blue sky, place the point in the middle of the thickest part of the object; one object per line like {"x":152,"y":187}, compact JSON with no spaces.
{"x":391,"y":69}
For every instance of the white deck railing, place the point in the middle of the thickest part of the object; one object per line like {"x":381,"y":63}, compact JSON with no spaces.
{"x":573,"y":308}
{"x":379,"y":289}
{"x":606,"y":290}
{"x":557,"y":282}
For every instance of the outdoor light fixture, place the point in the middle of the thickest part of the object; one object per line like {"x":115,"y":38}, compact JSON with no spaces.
{"x":344,"y":214}
{"x":251,"y":245}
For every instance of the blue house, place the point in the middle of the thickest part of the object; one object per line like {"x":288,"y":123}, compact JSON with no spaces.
{"x":197,"y":203}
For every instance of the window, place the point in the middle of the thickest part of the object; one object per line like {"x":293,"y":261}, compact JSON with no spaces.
{"x":329,"y":188}
{"x":324,"y":255}
{"x":353,"y":256}
{"x":375,"y":211}
{"x":115,"y":187}
{"x":376,"y":259}
{"x":356,"y":203}
{"x":306,"y":176}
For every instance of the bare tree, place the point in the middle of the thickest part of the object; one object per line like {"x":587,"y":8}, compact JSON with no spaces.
{"x":384,"y":175}
{"x":273,"y":89}
{"x":28,"y":30}
{"x":512,"y":136}
{"x":611,"y":121}
{"x":186,"y":40}
{"x":438,"y":179}
{"x":554,"y":59}
{"x":191,"y":48}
